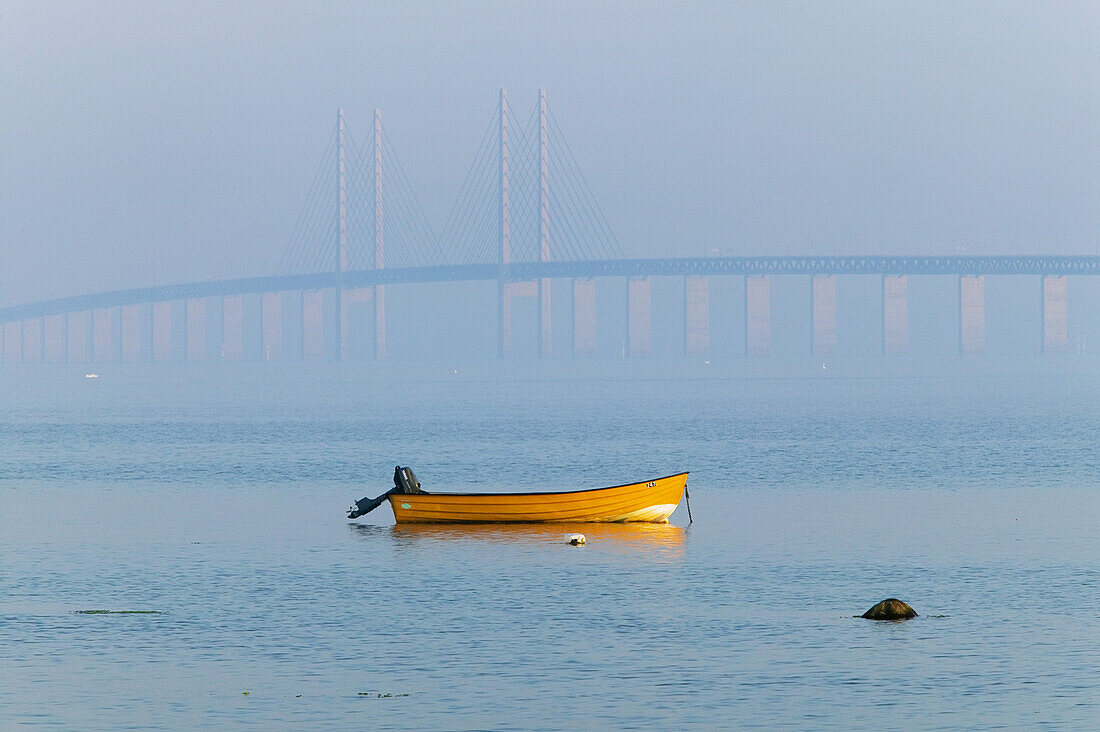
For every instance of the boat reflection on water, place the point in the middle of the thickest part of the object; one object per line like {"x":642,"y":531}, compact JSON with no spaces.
{"x":619,"y":537}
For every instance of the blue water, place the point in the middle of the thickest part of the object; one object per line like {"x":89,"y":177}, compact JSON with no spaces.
{"x":221,"y":507}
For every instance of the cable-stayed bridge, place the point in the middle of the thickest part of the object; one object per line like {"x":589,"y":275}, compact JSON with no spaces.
{"x":524,"y":218}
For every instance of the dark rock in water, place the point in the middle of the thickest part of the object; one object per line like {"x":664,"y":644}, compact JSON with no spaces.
{"x":892,"y":609}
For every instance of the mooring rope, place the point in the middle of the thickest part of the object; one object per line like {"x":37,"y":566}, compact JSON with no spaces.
{"x":687,"y":499}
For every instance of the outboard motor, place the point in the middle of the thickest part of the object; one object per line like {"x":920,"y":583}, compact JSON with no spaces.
{"x":404,"y":481}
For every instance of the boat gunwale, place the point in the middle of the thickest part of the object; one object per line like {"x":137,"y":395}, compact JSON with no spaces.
{"x":394,"y":496}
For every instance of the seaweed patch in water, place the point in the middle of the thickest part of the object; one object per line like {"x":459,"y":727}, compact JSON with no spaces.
{"x":381,"y":696}
{"x":120,"y":612}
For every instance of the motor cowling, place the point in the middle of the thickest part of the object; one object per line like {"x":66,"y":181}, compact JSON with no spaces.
{"x":404,"y":481}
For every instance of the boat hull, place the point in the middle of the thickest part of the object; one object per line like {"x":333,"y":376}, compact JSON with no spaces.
{"x":651,"y":501}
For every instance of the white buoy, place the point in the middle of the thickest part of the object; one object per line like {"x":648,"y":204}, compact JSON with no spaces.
{"x":576,"y":539}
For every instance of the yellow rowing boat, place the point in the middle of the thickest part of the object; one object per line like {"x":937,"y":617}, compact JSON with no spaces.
{"x":651,"y":501}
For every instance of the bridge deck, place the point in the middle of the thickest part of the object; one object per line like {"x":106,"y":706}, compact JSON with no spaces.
{"x":779,"y":265}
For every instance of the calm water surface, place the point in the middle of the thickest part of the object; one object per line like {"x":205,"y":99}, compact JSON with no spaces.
{"x":221,"y":508}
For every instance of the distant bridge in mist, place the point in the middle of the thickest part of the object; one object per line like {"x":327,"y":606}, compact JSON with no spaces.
{"x":523,"y":219}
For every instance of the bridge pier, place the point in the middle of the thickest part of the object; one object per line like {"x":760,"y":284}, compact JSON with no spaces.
{"x":540,"y":291}
{"x":823,"y":314}
{"x":13,"y":341}
{"x":971,"y":313}
{"x":32,"y":340}
{"x":512,"y":290}
{"x":271,"y":326}
{"x":758,"y":325}
{"x":364,"y":326}
{"x":291,"y":305}
{"x":54,"y":329}
{"x":584,"y":317}
{"x":116,"y":334}
{"x":89,"y":336}
{"x":1054,"y":321}
{"x":895,"y":314}
{"x":195,"y":317}
{"x":380,"y":323}
{"x":546,"y":340}
{"x":313,"y":325}
{"x":101,"y":335}
{"x":72,"y":337}
{"x":232,"y":328}
{"x":68,"y":320}
{"x":53,"y":342}
{"x":696,"y":317}
{"x":130,"y":322}
{"x":252,"y":334}
{"x":178,"y":314}
{"x":504,"y":321}
{"x":345,"y":302}
{"x":162,"y":331}
{"x":33,"y":337}
{"x":137,"y":335}
{"x":146,"y":337}
{"x":638,"y":316}
{"x":39,"y":332}
{"x":76,"y":337}
{"x":214,"y":325}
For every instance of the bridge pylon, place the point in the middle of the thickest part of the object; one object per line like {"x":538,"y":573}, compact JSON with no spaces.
{"x":504,"y":232}
{"x":340,"y":313}
{"x":539,"y":288}
{"x":379,"y":245}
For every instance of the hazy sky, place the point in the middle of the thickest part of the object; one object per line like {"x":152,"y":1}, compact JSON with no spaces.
{"x":146,"y":143}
